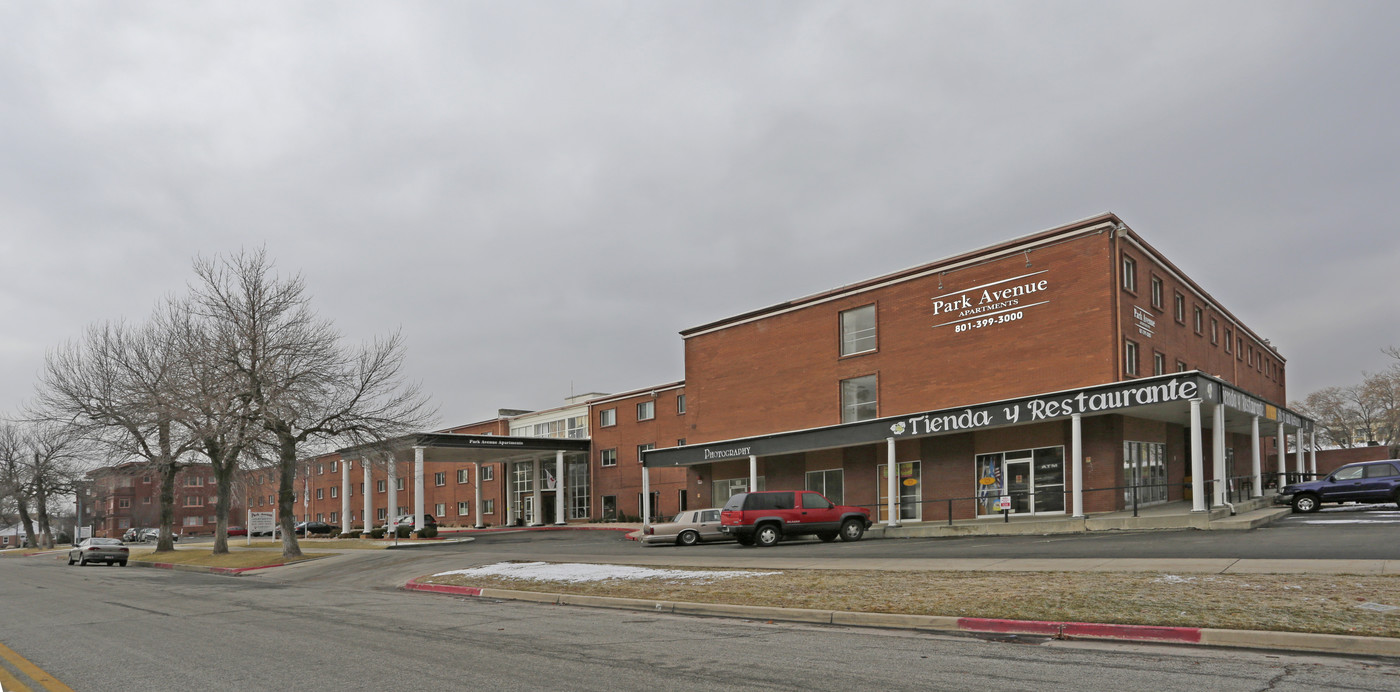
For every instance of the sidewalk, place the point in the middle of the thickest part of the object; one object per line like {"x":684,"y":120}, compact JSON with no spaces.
{"x":1173,"y":515}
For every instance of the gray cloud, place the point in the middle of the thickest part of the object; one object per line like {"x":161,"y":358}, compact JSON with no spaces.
{"x":541,"y":195}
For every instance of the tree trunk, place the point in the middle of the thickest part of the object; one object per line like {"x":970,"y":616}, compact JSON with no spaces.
{"x":223,"y":476}
{"x":24,"y":518}
{"x":167,"y":507}
{"x":286,"y":493}
{"x":41,"y":508}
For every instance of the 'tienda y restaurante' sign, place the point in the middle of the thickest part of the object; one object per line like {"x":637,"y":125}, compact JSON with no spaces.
{"x":1118,"y":396}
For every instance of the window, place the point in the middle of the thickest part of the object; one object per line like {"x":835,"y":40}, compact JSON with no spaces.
{"x":830,"y":483}
{"x":194,"y":501}
{"x":646,"y":410}
{"x":1214,"y":331}
{"x":194,"y":482}
{"x":440,"y":478}
{"x":398,"y":484}
{"x":335,"y":492}
{"x":334,"y":467}
{"x":577,"y":428}
{"x":607,"y":457}
{"x":1239,"y":348}
{"x":488,"y":473}
{"x":463,"y":509}
{"x":680,"y":442}
{"x":488,"y":506}
{"x":1181,"y":366}
{"x":147,"y":500}
{"x":1130,"y":357}
{"x":1157,"y":292}
{"x":319,"y":493}
{"x":335,"y":516}
{"x":320,"y":517}
{"x":1251,"y":355}
{"x":1229,"y":339}
{"x":124,"y":503}
{"x":680,"y":404}
{"x":194,"y":521}
{"x":379,"y":486}
{"x":320,"y":471}
{"x":643,"y":448}
{"x":859,"y":399}
{"x":382,"y":513}
{"x":1197,"y":319}
{"x":607,"y":418}
{"x":439,"y":509}
{"x":858,"y":330}
{"x":1159,"y":364}
{"x":464,"y":475}
{"x":1129,"y":274}
{"x":609,"y":507}
{"x":146,"y":480}
{"x":1179,"y":306}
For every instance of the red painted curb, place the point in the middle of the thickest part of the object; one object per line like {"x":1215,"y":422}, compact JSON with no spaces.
{"x":1191,"y":635}
{"x":234,"y":571}
{"x":415,"y":585}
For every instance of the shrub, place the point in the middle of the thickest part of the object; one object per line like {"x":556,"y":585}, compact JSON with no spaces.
{"x":376,"y":533}
{"x":428,"y":532}
{"x":350,"y":534}
{"x":403,"y":531}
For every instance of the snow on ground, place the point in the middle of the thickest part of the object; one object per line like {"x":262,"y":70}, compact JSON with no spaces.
{"x":579,"y":573}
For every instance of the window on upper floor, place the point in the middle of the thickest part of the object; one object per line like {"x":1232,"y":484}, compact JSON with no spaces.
{"x":1179,"y":308}
{"x":1181,"y":366}
{"x":646,"y":410}
{"x":680,"y":404}
{"x":1198,"y":319}
{"x":440,"y":478}
{"x":1159,"y":364}
{"x":859,"y":399}
{"x":1157,"y":292}
{"x":607,"y":457}
{"x":488,"y":473}
{"x":464,"y":475}
{"x":607,"y":418}
{"x":1229,"y":340}
{"x":1214,"y":331}
{"x":1130,"y":357}
{"x":858,"y":330}
{"x":1129,"y":274}
{"x":643,"y":448}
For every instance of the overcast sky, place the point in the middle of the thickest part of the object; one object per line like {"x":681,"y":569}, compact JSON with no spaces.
{"x":541,"y":195}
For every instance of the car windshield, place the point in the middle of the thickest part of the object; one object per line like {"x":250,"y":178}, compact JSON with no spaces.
{"x":105,"y":541}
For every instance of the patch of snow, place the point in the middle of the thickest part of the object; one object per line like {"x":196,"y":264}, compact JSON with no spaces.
{"x":1173,"y":579}
{"x":578,"y":573}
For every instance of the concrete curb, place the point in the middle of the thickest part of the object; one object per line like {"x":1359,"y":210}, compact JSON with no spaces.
{"x":228,"y":571}
{"x":1202,"y":636}
{"x":434,"y":543}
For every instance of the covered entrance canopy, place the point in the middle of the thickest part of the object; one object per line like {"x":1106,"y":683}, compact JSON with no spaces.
{"x":1177,"y":398}
{"x":456,"y":448}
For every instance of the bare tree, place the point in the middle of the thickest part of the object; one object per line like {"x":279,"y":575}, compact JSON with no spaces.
{"x":1333,"y":414}
{"x":15,"y":482}
{"x":303,"y":383}
{"x":124,"y":387}
{"x":54,"y":456}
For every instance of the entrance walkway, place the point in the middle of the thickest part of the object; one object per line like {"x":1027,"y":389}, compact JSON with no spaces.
{"x":1173,"y":515}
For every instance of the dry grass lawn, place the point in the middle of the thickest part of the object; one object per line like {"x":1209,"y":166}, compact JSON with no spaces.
{"x":236,"y":559}
{"x":329,"y":543}
{"x":1297,"y":603}
{"x":21,"y":552}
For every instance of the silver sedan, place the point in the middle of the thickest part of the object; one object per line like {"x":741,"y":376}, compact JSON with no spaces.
{"x":687,"y":528}
{"x":108,"y":550}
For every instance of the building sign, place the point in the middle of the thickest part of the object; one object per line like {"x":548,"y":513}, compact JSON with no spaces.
{"x":717,"y":454}
{"x":1145,"y":323}
{"x":991,"y":304}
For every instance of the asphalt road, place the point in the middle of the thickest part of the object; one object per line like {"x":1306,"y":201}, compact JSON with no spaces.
{"x":99,"y":628}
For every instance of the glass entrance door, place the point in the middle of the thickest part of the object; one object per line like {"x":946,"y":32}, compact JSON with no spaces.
{"x":1031,"y":480}
{"x":1018,"y":482}
{"x":1144,"y":470}
{"x":908,"y":495}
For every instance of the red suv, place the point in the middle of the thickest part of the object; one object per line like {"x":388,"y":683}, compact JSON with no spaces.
{"x":766,"y":516}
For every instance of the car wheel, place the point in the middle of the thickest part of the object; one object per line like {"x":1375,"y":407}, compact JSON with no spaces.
{"x":1305,"y":503}
{"x":744,"y":540}
{"x":71,"y":560}
{"x":82,"y":562}
{"x":828,"y":536}
{"x":767,"y":535}
{"x":688,"y":538}
{"x":122,"y":563}
{"x":852,"y":530}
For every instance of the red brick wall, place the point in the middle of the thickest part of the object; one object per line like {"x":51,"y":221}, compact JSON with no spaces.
{"x":624,"y":480}
{"x":1328,"y":460}
{"x":783,"y":371}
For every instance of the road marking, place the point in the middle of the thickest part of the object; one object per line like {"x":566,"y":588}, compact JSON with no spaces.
{"x":9,"y":683}
{"x":33,"y":672}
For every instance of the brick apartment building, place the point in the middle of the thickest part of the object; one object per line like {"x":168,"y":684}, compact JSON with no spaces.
{"x":1054,"y":369}
{"x":128,"y":496}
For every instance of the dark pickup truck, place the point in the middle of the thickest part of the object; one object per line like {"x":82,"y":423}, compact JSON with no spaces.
{"x":1370,"y":481}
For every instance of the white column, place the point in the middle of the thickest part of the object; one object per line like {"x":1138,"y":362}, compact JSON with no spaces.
{"x":508,"y":471}
{"x":892,"y":484}
{"x":1255,"y":466}
{"x":753,"y":472}
{"x":417,"y":488}
{"x":1198,"y":485}
{"x":391,"y":488}
{"x":1076,"y":453}
{"x":1281,"y":447}
{"x":535,"y":499}
{"x":345,"y":495}
{"x":1217,"y":452}
{"x":368,"y":492}
{"x":646,"y":498}
{"x":559,"y":488}
{"x":1312,"y":452}
{"x":1299,"y":447}
{"x":476,"y":485}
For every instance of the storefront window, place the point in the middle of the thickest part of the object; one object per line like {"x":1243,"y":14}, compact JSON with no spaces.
{"x":829,"y":483}
{"x":1032,"y":480}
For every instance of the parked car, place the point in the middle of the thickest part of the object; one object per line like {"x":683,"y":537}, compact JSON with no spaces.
{"x":407,"y":520}
{"x":1369,"y":481}
{"x":131,"y":535}
{"x":149,"y":535}
{"x":687,"y":528}
{"x":109,"y":550}
{"x":767,"y":516}
{"x":314,"y":527}
{"x":237,"y":531}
